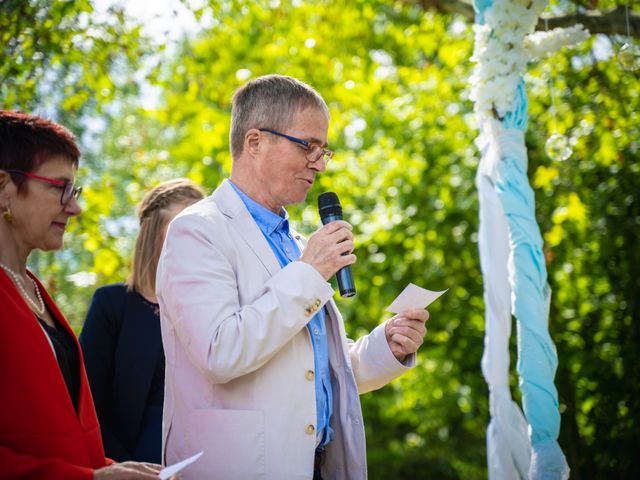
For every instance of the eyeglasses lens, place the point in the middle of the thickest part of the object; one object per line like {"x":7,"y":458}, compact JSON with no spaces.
{"x":70,"y":190}
{"x":316,"y":152}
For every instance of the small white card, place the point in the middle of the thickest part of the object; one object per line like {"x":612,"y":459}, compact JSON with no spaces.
{"x":413,"y":296}
{"x":171,"y":470}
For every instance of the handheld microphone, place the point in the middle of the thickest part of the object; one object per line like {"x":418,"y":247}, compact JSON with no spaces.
{"x":330,"y":210}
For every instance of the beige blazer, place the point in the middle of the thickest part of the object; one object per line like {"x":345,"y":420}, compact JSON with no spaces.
{"x":240,"y":368}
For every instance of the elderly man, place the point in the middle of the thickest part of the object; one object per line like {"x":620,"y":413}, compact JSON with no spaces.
{"x":260,"y":374}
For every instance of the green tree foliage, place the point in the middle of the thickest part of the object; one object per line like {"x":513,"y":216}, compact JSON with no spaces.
{"x":56,"y":57}
{"x":64,"y":60}
{"x":394,"y":77}
{"x":589,"y":211}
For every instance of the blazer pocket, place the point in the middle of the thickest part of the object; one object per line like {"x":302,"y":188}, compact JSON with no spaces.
{"x":233,"y":442}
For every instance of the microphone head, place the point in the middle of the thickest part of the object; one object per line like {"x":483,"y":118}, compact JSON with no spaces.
{"x":328,"y":204}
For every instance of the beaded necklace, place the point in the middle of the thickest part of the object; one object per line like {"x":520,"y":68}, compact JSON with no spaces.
{"x":38,"y":309}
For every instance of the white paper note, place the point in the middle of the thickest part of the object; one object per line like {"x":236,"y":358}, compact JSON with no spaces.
{"x":171,"y":470}
{"x":413,"y":296}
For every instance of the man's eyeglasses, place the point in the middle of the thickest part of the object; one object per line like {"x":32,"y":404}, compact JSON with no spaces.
{"x":68,"y":188}
{"x":313,"y":151}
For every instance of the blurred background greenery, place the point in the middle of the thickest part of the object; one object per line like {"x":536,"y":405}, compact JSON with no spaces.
{"x":148,"y":96}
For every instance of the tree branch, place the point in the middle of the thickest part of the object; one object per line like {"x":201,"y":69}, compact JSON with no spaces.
{"x":607,"y":22}
{"x":460,"y":7}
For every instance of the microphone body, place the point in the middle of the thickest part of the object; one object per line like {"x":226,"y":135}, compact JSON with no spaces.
{"x":330,"y":210}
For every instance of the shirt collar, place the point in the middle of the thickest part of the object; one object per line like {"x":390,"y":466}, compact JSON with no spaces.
{"x":268,"y":221}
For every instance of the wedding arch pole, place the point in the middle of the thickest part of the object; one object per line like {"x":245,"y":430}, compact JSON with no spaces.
{"x":510,"y":243}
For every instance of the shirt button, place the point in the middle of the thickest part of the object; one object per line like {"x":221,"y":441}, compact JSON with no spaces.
{"x":309,"y":375}
{"x":310,"y":429}
{"x":315,"y":331}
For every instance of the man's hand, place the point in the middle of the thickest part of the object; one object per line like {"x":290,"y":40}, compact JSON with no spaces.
{"x":405,"y":332}
{"x":326,"y":247}
{"x":128,"y":471}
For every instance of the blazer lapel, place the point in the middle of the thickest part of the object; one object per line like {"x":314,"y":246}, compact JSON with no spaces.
{"x":138,"y":362}
{"x":86,"y":412}
{"x":335,"y":326}
{"x":231,"y":205}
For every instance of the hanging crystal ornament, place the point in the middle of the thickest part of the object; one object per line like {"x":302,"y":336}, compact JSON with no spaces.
{"x":629,"y":53}
{"x":557,"y":146}
{"x":629,"y":57}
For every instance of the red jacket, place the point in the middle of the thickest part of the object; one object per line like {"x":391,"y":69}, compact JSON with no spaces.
{"x":40,"y":434}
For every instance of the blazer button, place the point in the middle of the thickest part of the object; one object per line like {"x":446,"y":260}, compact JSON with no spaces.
{"x":318,"y":302}
{"x":309,"y":375}
{"x":307,"y":312}
{"x":310,"y":429}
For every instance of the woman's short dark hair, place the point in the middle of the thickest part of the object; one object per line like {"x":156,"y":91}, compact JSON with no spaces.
{"x":27,"y":141}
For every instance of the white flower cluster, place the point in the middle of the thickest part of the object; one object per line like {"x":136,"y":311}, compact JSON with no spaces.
{"x":539,"y":44}
{"x":502,"y":50}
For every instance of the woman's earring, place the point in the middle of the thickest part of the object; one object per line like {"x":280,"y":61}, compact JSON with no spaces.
{"x":6,"y":214}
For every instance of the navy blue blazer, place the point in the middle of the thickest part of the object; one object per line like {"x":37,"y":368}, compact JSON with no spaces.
{"x":122,"y":346}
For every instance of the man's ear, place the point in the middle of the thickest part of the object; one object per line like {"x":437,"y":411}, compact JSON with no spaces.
{"x":252,"y":141}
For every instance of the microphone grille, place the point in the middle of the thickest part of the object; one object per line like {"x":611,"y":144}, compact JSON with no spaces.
{"x":329,"y":205}
{"x":328,"y":199}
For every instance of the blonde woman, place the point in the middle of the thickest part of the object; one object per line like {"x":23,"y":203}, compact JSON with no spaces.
{"x":121,"y":338}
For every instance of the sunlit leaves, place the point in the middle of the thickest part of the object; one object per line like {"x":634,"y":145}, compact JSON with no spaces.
{"x":57,"y":56}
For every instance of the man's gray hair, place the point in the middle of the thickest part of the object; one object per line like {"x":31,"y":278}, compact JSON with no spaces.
{"x":270,"y":101}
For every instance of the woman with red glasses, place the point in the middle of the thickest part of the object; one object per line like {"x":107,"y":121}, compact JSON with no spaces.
{"x":48,"y":424}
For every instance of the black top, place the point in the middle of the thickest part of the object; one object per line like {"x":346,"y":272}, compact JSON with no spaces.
{"x":156,"y":391}
{"x":68,"y":358}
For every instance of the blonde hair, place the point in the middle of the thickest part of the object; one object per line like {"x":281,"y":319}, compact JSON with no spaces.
{"x":152,"y":215}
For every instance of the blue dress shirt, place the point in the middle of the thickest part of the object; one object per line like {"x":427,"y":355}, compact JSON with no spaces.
{"x":275,"y":229}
